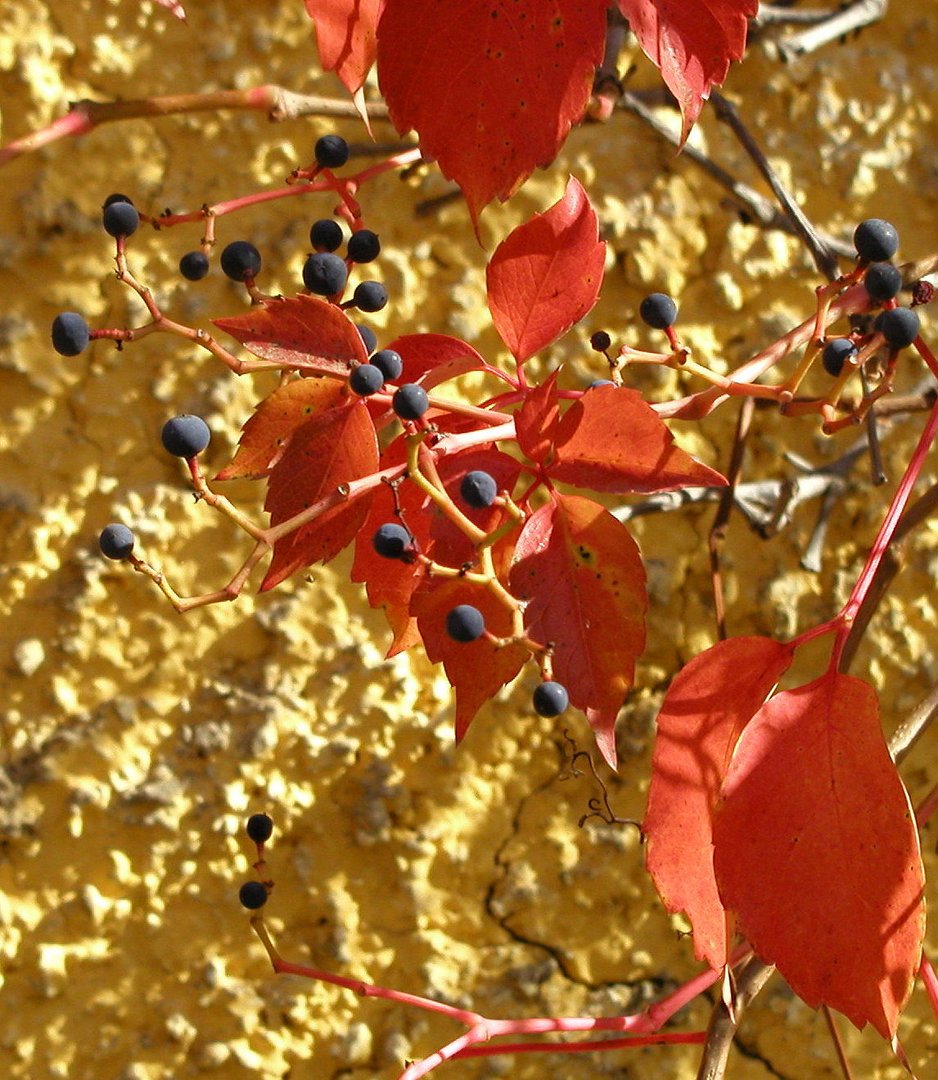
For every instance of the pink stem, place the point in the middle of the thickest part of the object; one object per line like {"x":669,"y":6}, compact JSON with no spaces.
{"x":930,"y":979}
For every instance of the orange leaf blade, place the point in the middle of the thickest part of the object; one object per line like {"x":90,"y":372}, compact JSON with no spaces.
{"x":346,"y":36}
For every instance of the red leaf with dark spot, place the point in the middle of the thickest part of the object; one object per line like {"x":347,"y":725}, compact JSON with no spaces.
{"x":582,"y":576}
{"x":546,"y":275}
{"x":816,"y":851}
{"x":345,"y":33}
{"x":704,"y":711}
{"x":493,"y":87}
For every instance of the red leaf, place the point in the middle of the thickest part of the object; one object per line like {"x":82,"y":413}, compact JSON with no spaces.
{"x":815,"y":849}
{"x":493,"y":91}
{"x":706,"y":707}
{"x":267,"y":432}
{"x":610,"y":439}
{"x":582,"y":575}
{"x":477,"y":669}
{"x":433,"y":358}
{"x":345,"y":34}
{"x":301,"y":332}
{"x":546,"y":274}
{"x":691,"y":44}
{"x":537,"y":419}
{"x":330,"y":450}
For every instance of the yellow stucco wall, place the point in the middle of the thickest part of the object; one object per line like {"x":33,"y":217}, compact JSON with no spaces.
{"x":133,"y":742}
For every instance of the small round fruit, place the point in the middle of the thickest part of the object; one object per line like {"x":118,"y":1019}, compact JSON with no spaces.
{"x":658,"y":311}
{"x":600,"y":382}
{"x":325,"y":274}
{"x":120,"y":219}
{"x":550,"y":699}
{"x":392,"y":541}
{"x":366,"y":380}
{"x":410,"y":402}
{"x":478,"y":489}
{"x":116,"y":541}
{"x":368,"y":336}
{"x":876,"y":240}
{"x":70,"y":334}
{"x":325,"y":234}
{"x":253,"y":895}
{"x":836,"y":353}
{"x":364,"y":246}
{"x":116,"y":197}
{"x":193,"y":265}
{"x":331,"y":151}
{"x":882,"y":281}
{"x":899,"y":326}
{"x":465,"y":623}
{"x":370,"y":296}
{"x":600,"y":341}
{"x":185,"y":436}
{"x":390,"y":362}
{"x":259,"y":827}
{"x":241,"y":261}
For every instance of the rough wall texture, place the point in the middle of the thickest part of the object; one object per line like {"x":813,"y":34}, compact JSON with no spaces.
{"x":134,"y":741}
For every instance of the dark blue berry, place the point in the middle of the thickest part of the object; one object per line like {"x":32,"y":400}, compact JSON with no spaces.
{"x":331,"y":151}
{"x":899,"y":327}
{"x":465,"y":623}
{"x":120,"y":218}
{"x":70,"y":333}
{"x":882,"y":281}
{"x":366,"y":379}
{"x":368,"y":336}
{"x":390,"y":362}
{"x":600,"y":382}
{"x":658,"y":311}
{"x":259,"y":828}
{"x":193,"y":265}
{"x":370,"y":296}
{"x":241,"y":261}
{"x":116,"y":197}
{"x":253,"y":895}
{"x":836,"y":353}
{"x":410,"y":402}
{"x":185,"y":436}
{"x":392,"y":541}
{"x":876,"y":240}
{"x":325,"y":274}
{"x":478,"y":489}
{"x":550,"y":699}
{"x":363,"y":246}
{"x":116,"y":541}
{"x":325,"y":234}
{"x":600,"y":341}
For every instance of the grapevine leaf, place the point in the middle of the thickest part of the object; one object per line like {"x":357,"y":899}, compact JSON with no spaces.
{"x":706,"y":707}
{"x":816,"y":851}
{"x":537,"y":419}
{"x":581,"y":574}
{"x":301,"y":332}
{"x":611,"y":439}
{"x":334,"y":448}
{"x":494,"y":92}
{"x":275,"y":420}
{"x":546,"y":274}
{"x":433,"y":358}
{"x":346,"y":36}
{"x":691,"y":44}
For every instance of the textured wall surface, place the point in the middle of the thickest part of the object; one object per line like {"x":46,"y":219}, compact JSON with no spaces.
{"x":134,"y":741}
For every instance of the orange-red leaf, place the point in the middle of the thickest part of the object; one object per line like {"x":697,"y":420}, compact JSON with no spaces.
{"x":491,"y":88}
{"x":704,"y":711}
{"x":582,"y":576}
{"x":330,"y":450}
{"x":301,"y":332}
{"x":612,"y":440}
{"x":691,"y":44}
{"x":346,"y":35}
{"x":546,"y":274}
{"x":433,"y":358}
{"x":537,"y":419}
{"x":274,"y":422}
{"x":816,"y":850}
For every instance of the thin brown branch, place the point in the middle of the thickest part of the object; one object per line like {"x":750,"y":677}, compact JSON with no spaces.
{"x":849,"y":19}
{"x":723,"y":1024}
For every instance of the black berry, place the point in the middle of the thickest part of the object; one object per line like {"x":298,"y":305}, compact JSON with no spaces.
{"x":253,"y":895}
{"x":116,"y":197}
{"x":366,"y":379}
{"x":368,"y":336}
{"x":465,"y":623}
{"x":836,"y":353}
{"x":116,"y":541}
{"x":325,"y":234}
{"x":193,"y":265}
{"x":410,"y":402}
{"x":240,"y":261}
{"x":390,"y":362}
{"x":392,"y":541}
{"x":899,"y":327}
{"x":259,"y":828}
{"x":185,"y":436}
{"x":363,"y":246}
{"x":70,"y":333}
{"x":658,"y":311}
{"x":550,"y":699}
{"x":331,"y":151}
{"x":600,"y":341}
{"x":882,"y":281}
{"x":325,"y":274}
{"x":370,"y":296}
{"x":600,"y":382}
{"x":876,"y":240}
{"x":120,"y":218}
{"x":478,"y":489}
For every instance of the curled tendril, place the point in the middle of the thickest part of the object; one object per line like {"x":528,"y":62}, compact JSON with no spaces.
{"x":599,"y":806}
